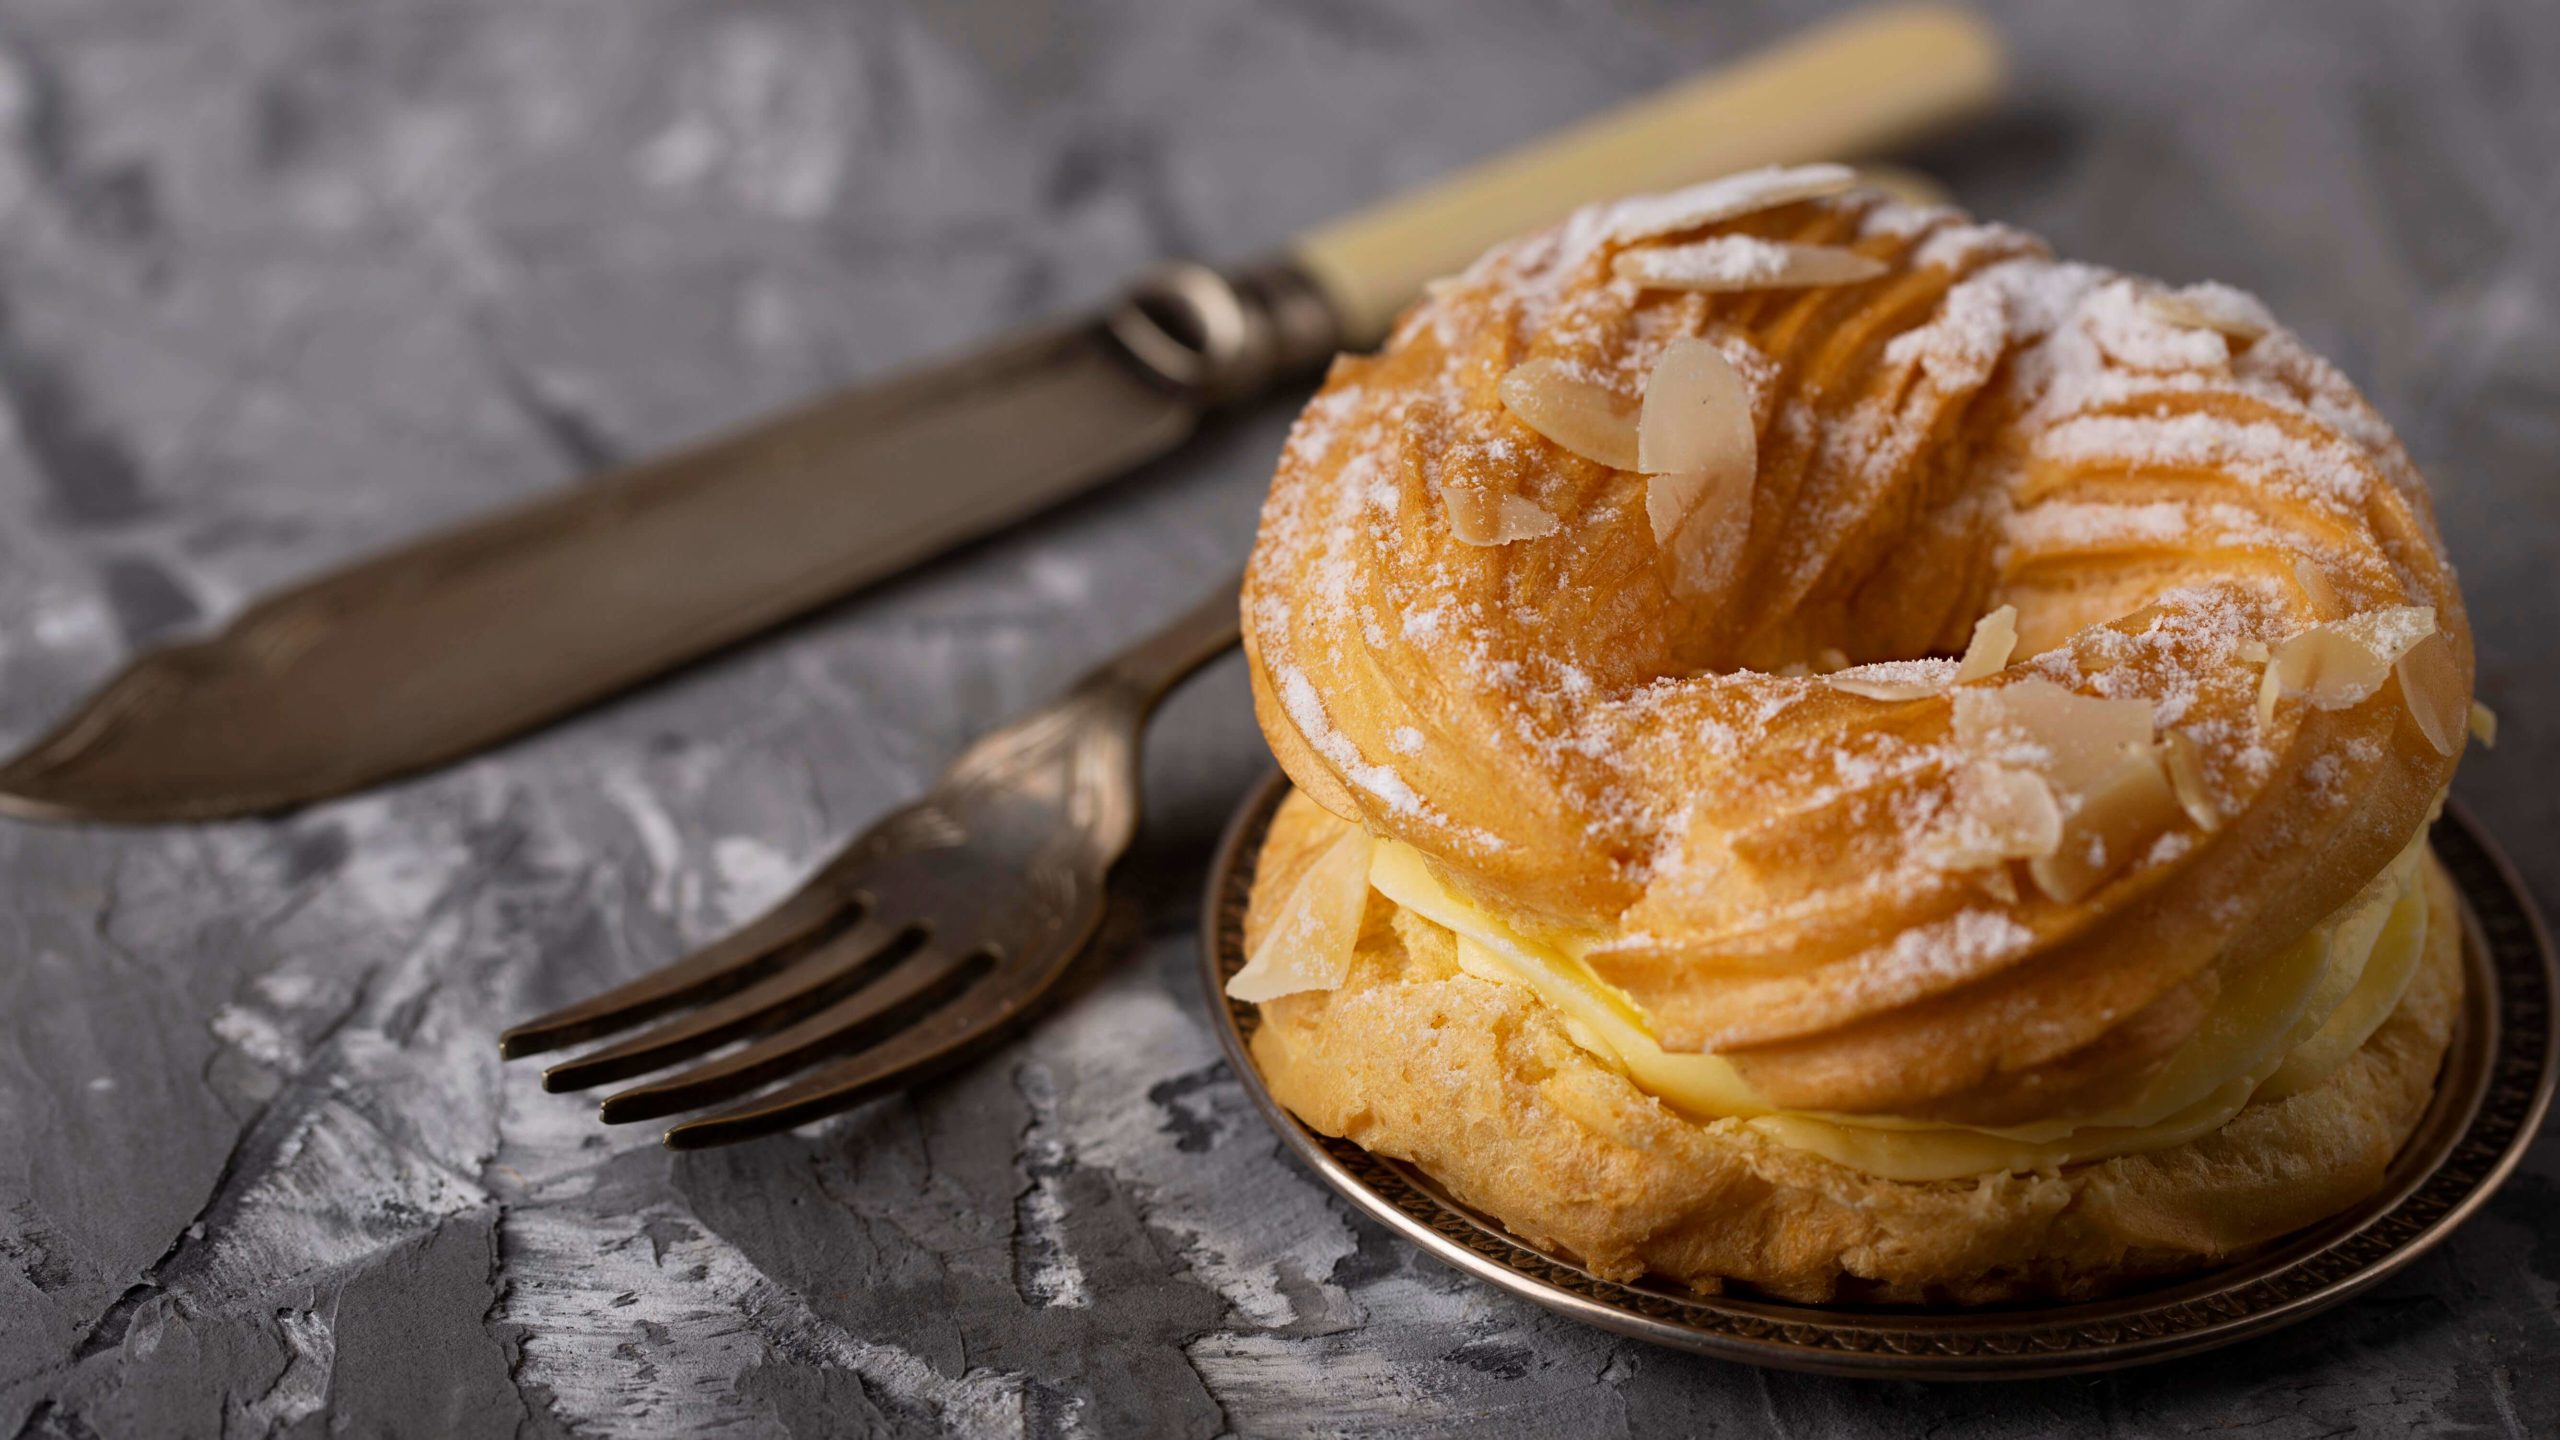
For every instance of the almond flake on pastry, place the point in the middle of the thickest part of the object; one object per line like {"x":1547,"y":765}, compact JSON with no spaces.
{"x":2317,"y":589}
{"x":2073,"y":739}
{"x":2121,"y":814}
{"x":1706,"y":549}
{"x":1696,"y":416}
{"x":1695,"y":440}
{"x":1727,"y":198}
{"x":1895,"y":679}
{"x":2211,"y":307}
{"x":2434,"y":688}
{"x":1728,"y":263}
{"x":1310,"y":942}
{"x":1995,"y":638}
{"x":1579,"y":414}
{"x":1478,"y":517}
{"x":2186,"y":776}
{"x":2340,"y":663}
{"x":2098,"y":761}
{"x":2000,"y":813}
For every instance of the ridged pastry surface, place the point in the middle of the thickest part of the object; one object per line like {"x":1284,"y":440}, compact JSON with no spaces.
{"x":1634,"y":762}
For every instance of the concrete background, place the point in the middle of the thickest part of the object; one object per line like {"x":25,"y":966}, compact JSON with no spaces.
{"x":281,"y":280}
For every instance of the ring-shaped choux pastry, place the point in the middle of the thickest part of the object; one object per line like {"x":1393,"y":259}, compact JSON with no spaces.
{"x":1807,"y":709}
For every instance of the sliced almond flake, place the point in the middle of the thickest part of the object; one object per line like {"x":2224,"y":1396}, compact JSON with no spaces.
{"x":1711,"y":519}
{"x":2342,"y":662}
{"x":1696,"y":416}
{"x":2115,"y":820}
{"x":1310,"y":942}
{"x":1995,"y":637}
{"x":2186,"y":776}
{"x":1696,"y":440}
{"x":1477,"y":517}
{"x":1895,"y":679}
{"x":1669,"y":500}
{"x":1581,"y":415}
{"x":2210,"y":307}
{"x":2433,"y":687}
{"x":2484,"y":725}
{"x":1727,"y":198}
{"x":2075,"y":741}
{"x":1727,"y":263}
{"x":2253,"y":651}
{"x":1999,"y":884}
{"x":2001,"y":813}
{"x":2129,"y":333}
{"x":2317,"y":589}
{"x":1830,"y":660}
{"x":2098,"y":761}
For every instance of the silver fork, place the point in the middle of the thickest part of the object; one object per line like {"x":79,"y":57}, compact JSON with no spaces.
{"x":917,"y":946}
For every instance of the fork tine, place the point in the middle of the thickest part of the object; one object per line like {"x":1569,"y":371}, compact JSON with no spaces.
{"x":995,"y":1000}
{"x":831,"y":967}
{"x":810,"y":917}
{"x":786,"y":1050}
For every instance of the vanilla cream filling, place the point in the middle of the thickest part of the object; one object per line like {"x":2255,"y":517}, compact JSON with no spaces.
{"x":2275,"y":1031}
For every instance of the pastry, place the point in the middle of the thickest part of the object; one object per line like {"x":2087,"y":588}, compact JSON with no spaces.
{"x":1839,"y":754}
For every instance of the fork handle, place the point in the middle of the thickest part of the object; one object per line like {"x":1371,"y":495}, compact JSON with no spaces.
{"x":1145,"y":672}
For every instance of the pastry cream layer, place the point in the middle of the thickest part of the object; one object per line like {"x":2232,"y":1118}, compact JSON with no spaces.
{"x":2273,"y":1032}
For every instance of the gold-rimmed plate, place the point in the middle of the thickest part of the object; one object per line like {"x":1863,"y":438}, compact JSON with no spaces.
{"x":2490,"y":1099}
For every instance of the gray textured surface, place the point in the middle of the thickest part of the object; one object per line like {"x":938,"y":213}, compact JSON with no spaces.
{"x":281,"y":280}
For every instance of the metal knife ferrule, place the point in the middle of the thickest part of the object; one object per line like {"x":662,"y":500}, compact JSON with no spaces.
{"x":1225,"y":337}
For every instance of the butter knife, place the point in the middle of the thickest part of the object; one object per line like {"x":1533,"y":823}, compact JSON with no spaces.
{"x":462,"y":639}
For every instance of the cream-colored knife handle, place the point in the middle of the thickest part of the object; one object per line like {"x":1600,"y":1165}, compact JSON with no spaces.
{"x":1865,"y":83}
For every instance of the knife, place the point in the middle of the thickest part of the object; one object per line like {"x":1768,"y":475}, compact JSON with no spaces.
{"x":462,"y":639}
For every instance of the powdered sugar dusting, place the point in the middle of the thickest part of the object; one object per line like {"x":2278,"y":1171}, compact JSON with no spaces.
{"x":1307,"y":713}
{"x":2136,"y":335}
{"x":1951,"y":949}
{"x":1729,"y":197}
{"x":1743,"y":262}
{"x":2259,"y":453}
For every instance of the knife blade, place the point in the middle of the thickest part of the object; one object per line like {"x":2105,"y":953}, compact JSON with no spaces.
{"x":432,"y":651}
{"x":466,"y":638}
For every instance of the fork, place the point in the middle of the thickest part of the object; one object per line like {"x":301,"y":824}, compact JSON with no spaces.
{"x":917,"y":946}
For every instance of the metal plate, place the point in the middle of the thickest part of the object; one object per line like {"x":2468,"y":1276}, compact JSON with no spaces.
{"x":2490,"y":1099}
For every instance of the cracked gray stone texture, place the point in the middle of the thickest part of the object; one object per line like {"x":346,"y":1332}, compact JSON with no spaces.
{"x":281,"y":281}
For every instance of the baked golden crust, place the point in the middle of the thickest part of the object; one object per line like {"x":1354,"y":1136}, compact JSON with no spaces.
{"x":1598,"y":753}
{"x":1478,"y":1084}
